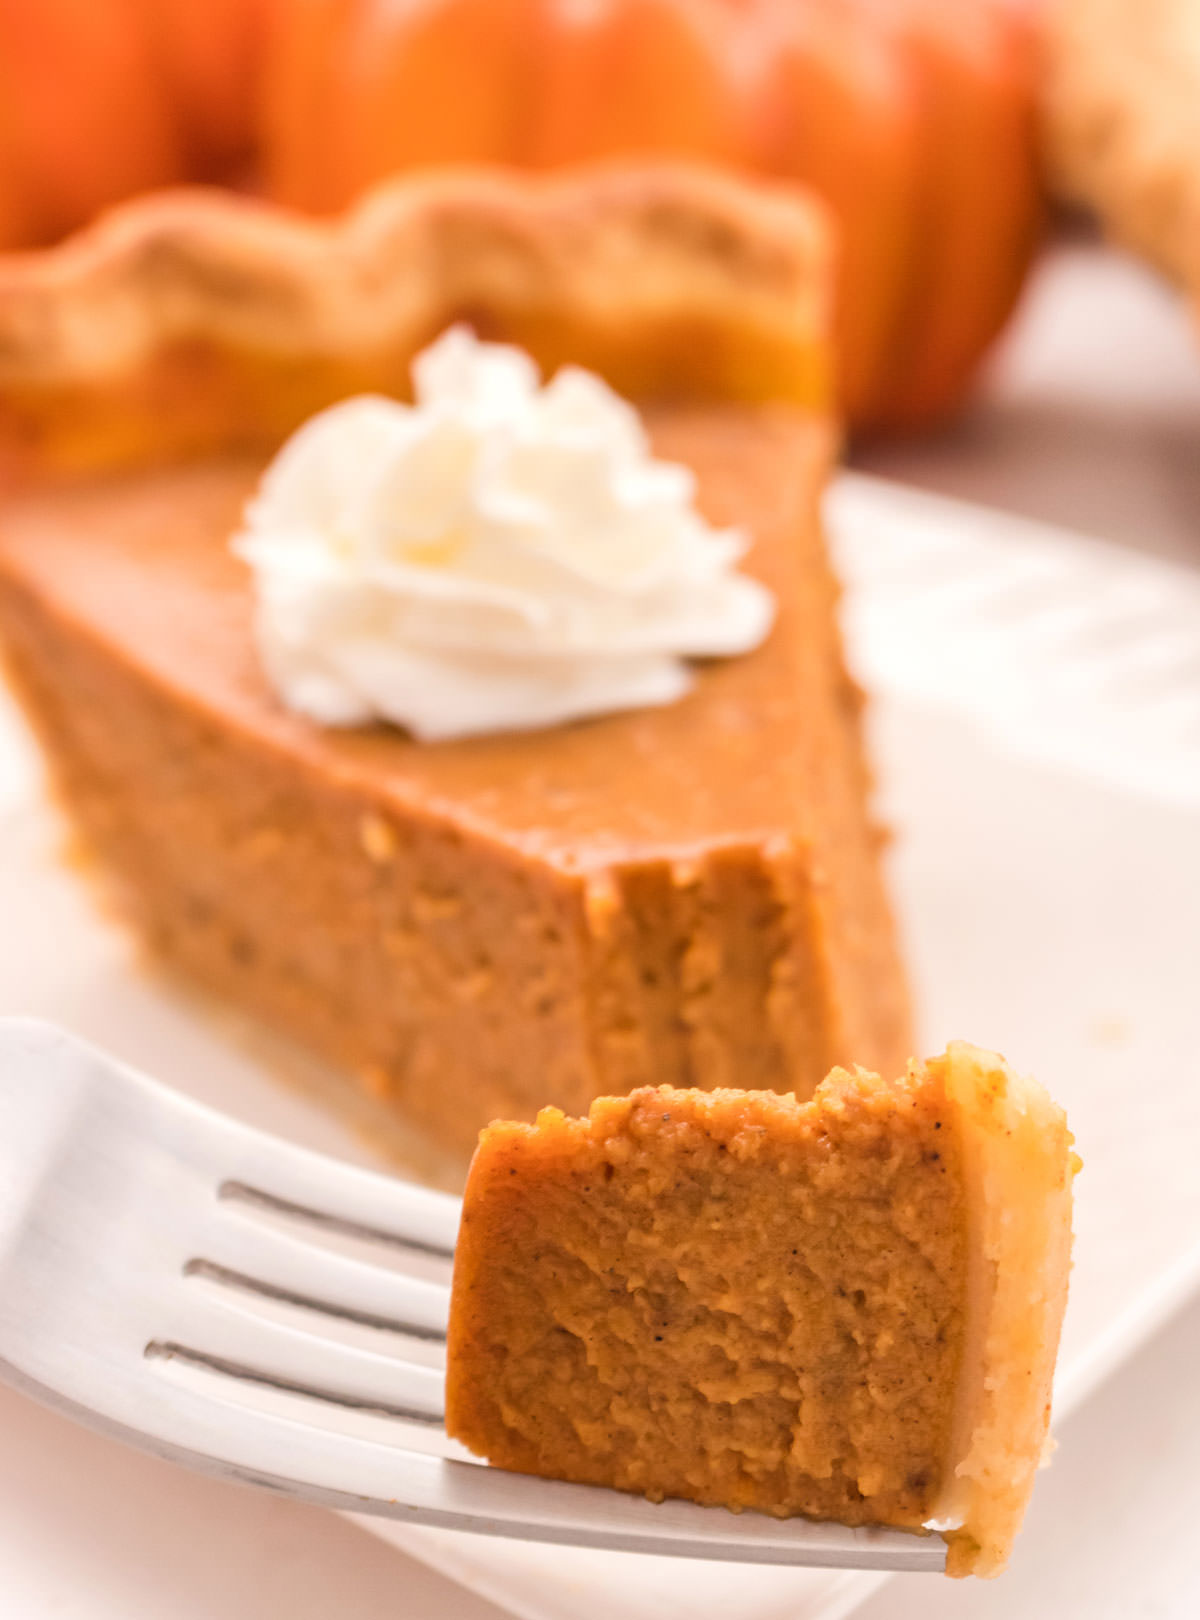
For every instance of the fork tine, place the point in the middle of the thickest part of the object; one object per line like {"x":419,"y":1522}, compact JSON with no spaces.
{"x":245,"y":1254}
{"x":219,"y":1332}
{"x":309,"y":1187}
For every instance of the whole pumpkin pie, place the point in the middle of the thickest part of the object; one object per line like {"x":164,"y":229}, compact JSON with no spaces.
{"x":847,"y":1308}
{"x":686,"y":894}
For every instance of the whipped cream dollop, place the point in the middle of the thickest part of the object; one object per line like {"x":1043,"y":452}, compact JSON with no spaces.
{"x":497,"y":556}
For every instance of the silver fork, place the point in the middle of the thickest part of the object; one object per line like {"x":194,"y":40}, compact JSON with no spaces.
{"x":182,"y":1282}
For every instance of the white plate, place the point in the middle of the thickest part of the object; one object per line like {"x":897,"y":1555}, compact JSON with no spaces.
{"x":1037,"y":727}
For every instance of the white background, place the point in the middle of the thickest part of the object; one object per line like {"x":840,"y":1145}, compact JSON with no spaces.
{"x":1091,"y":418}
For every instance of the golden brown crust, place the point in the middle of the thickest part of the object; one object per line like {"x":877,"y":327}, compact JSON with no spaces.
{"x":1018,"y":1168}
{"x":1123,"y":121}
{"x":193,"y":321}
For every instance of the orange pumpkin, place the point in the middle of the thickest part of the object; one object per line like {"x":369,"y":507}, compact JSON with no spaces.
{"x":628,"y":77}
{"x":832,"y":106}
{"x":339,"y":71}
{"x":912,"y":118}
{"x":84,"y":117}
{"x":357,"y":89}
{"x":209,"y":56}
{"x":100,"y":99}
{"x":979,"y":211}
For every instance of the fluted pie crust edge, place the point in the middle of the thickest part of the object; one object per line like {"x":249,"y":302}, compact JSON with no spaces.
{"x":192,"y":322}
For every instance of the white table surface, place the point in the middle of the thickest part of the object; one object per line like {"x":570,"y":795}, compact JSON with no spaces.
{"x":1091,"y":417}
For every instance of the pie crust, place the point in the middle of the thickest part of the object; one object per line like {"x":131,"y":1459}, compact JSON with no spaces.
{"x":191,"y":322}
{"x":1123,"y":122}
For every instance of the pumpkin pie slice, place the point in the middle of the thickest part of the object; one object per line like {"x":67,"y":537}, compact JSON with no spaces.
{"x":847,"y":1308}
{"x":472,"y":928}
